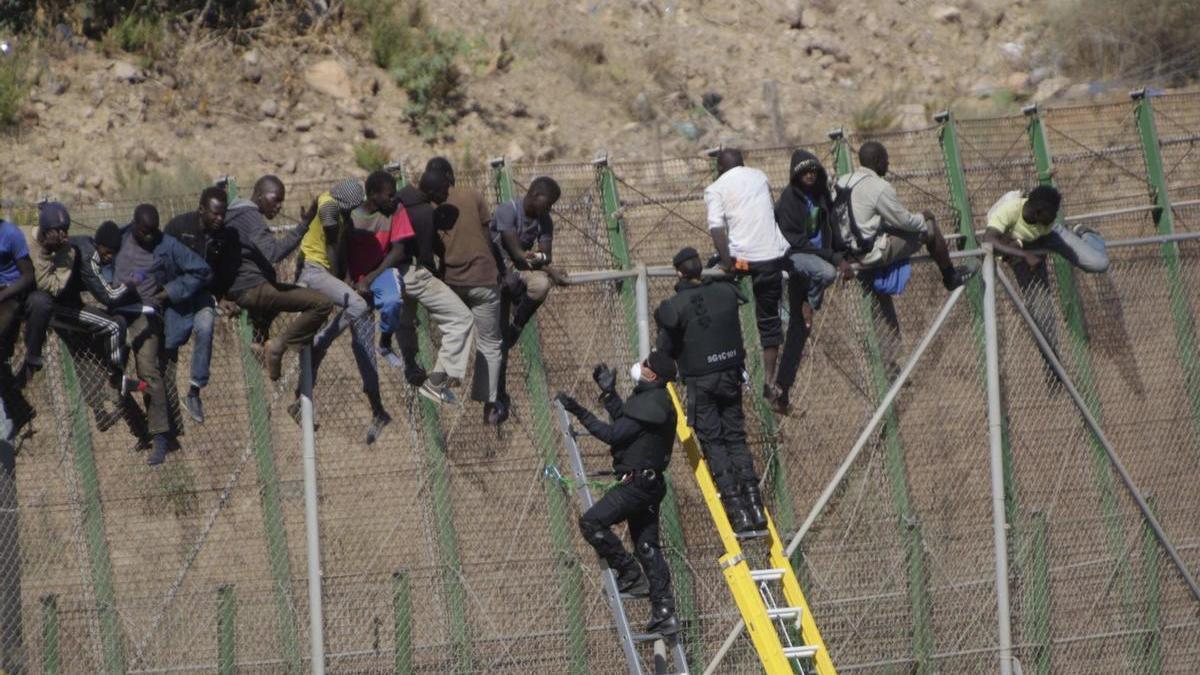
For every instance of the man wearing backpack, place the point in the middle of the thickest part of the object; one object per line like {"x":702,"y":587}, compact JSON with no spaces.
{"x":879,"y":232}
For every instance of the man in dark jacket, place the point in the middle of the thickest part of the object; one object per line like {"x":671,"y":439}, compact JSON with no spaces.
{"x":418,"y":266}
{"x":203,"y":231}
{"x":640,"y":437}
{"x":164,"y":273}
{"x":699,"y":328}
{"x":256,"y":287}
{"x":803,"y":214}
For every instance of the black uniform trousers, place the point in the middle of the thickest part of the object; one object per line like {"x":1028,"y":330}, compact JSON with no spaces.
{"x":635,"y":499}
{"x":715,"y":413}
{"x":766,"y":283}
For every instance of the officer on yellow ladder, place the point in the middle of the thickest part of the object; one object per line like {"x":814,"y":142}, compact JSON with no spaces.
{"x":641,"y":436}
{"x":699,"y":328}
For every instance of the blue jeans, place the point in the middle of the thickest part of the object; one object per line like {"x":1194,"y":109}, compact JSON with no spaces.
{"x":815,"y":273}
{"x":354,"y":313}
{"x":202,"y":328}
{"x":388,"y":299}
{"x":1088,"y":253}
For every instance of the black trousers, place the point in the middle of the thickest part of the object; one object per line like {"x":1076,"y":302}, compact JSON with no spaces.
{"x":636,"y":501}
{"x":715,"y":412}
{"x":797,"y":333}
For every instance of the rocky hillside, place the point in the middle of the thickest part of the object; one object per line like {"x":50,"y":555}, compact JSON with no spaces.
{"x":541,"y":80}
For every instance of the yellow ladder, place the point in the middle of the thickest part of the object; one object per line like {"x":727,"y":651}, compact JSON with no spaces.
{"x":767,"y":620}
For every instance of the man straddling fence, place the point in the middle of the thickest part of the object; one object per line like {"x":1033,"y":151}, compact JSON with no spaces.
{"x":741,"y":221}
{"x":324,"y":268}
{"x":640,"y":437}
{"x":203,"y":231}
{"x":804,"y":213}
{"x":17,"y":283}
{"x":523,"y":233}
{"x":698,"y":327}
{"x":256,"y":288}
{"x":421,"y":286}
{"x":470,"y":270}
{"x":166,"y":276}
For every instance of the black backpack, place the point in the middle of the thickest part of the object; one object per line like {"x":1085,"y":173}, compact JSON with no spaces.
{"x":843,"y":215}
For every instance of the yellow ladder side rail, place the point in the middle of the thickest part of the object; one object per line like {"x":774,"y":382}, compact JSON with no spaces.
{"x":794,"y":595}
{"x":733,"y":564}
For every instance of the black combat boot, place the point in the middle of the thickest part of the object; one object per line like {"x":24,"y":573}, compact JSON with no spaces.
{"x":631,"y":583}
{"x":735,"y":510}
{"x":663,"y":621}
{"x":754,"y":506}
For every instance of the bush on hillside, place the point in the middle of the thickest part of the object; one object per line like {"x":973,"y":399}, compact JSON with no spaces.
{"x":14,"y":88}
{"x":370,"y":156}
{"x":1133,"y":40}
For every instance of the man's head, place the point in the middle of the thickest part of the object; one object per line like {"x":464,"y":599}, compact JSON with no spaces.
{"x":658,"y":367}
{"x":381,"y":193}
{"x":442,"y":165}
{"x":54,"y":222}
{"x":145,"y":226}
{"x":806,"y":173}
{"x":540,"y":198}
{"x":874,"y":156}
{"x":729,"y":158}
{"x":108,"y":241}
{"x":268,"y":196}
{"x":1041,"y":208}
{"x":687,"y":263}
{"x":213,"y":203}
{"x":435,"y":185}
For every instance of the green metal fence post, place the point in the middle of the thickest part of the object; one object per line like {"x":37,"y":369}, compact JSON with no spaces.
{"x":1072,"y":308}
{"x":443,"y":508}
{"x":783,"y":509}
{"x":1036,"y":600}
{"x":896,"y":466}
{"x":1152,"y":657}
{"x":570,"y":577}
{"x":402,"y":621}
{"x":676,"y":546}
{"x":270,"y":498}
{"x":1164,"y":218}
{"x":93,"y":520}
{"x":226,"y":630}
{"x":51,"y":653}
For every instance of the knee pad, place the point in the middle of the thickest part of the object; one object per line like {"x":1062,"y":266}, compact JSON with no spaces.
{"x":591,"y":529}
{"x":647,"y":552}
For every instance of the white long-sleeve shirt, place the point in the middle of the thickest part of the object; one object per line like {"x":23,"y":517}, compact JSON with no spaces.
{"x":740,"y":201}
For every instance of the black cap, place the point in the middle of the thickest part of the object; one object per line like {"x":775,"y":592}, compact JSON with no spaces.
{"x":53,"y":216}
{"x":662,"y":365}
{"x":108,"y":235}
{"x":686,"y":253}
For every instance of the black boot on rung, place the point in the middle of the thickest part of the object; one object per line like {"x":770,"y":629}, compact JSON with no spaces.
{"x":631,"y":583}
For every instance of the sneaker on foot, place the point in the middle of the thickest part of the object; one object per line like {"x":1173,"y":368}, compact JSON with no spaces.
{"x":195,"y":408}
{"x":393,"y":359}
{"x":415,"y":376}
{"x":1080,"y":229}
{"x":437,"y":393}
{"x":158,"y":454}
{"x":378,"y":421}
{"x":958,"y":277}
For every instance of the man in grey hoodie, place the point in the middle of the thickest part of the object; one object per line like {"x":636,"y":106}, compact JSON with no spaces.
{"x":256,"y":287}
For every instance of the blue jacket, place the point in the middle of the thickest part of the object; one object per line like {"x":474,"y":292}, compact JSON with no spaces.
{"x":184,"y":276}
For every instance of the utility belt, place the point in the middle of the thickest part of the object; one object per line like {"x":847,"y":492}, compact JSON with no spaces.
{"x":648,"y":474}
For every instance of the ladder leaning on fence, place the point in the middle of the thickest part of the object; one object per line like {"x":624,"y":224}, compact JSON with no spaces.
{"x":629,"y":639}
{"x":783,"y":634}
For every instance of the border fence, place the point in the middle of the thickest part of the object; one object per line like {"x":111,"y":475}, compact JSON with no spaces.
{"x":449,"y":546}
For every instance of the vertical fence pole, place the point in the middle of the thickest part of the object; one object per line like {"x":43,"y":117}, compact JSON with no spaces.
{"x":1036,"y":603}
{"x":672,"y":522}
{"x":402,"y":621}
{"x":995,"y":442}
{"x":897,"y":471}
{"x":50,"y":642}
{"x":271,"y":501}
{"x":454,"y":593}
{"x":1152,"y":644}
{"x":226,"y":630}
{"x":1164,"y":218}
{"x":1072,"y":308}
{"x":561,"y":530}
{"x":93,"y":520}
{"x":312,"y":525}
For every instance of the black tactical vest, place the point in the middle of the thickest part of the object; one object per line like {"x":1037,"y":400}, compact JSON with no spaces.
{"x":704,"y":318}
{"x":650,"y":405}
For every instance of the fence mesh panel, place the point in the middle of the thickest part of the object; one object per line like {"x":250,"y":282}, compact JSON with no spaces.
{"x":451,"y":546}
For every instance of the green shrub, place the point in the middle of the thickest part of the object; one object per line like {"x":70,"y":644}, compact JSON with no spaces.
{"x":1130,"y":39}
{"x":874,"y":117}
{"x":14,"y":88}
{"x":370,"y":156}
{"x":138,"y":183}
{"x":137,"y":34}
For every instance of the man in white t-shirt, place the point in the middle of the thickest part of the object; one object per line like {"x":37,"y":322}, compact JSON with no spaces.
{"x":741,"y":220}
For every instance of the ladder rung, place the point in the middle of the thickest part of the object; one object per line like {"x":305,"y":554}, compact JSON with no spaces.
{"x":802,"y":652}
{"x":647,"y":637}
{"x":784,"y":612}
{"x":770,"y":574}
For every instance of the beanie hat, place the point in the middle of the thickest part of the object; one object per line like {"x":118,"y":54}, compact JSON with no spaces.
{"x":686,"y":253}
{"x":108,"y":235}
{"x":53,"y":216}
{"x":661,"y":364}
{"x":349,"y":194}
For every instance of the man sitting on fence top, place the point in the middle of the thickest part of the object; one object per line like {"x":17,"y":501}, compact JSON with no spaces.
{"x":741,"y":221}
{"x":256,"y":288}
{"x":1025,"y":227}
{"x":523,"y":232}
{"x":878,"y":231}
{"x":166,"y":275}
{"x":324,"y":249}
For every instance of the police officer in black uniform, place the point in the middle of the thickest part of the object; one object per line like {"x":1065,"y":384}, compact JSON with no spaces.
{"x":641,"y":435}
{"x":699,"y":328}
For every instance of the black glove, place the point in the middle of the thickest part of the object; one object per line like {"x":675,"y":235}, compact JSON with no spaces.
{"x":606,"y":378}
{"x":569,"y":404}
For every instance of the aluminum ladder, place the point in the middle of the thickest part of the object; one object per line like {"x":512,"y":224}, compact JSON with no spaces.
{"x":777,"y":616}
{"x":629,"y":638}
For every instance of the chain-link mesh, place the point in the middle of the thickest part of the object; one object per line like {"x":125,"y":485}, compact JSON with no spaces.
{"x":449,"y":546}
